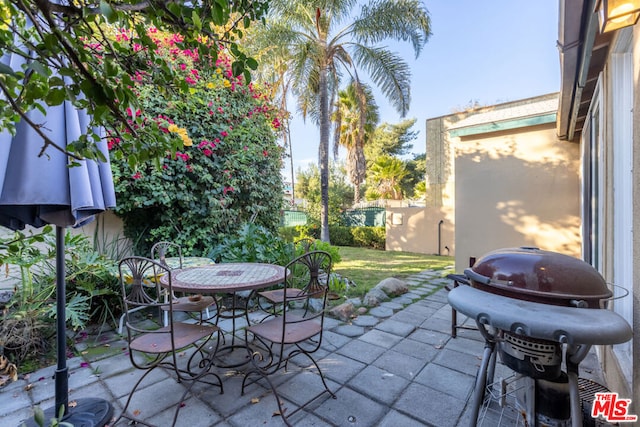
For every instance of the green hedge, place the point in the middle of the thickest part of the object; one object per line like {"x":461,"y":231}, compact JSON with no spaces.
{"x":364,"y":237}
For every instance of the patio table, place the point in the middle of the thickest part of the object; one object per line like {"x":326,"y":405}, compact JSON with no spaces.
{"x":227,"y":278}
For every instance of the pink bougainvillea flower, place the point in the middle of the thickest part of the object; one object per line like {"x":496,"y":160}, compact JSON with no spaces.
{"x":136,"y":175}
{"x":224,"y":133}
{"x":113,"y":142}
{"x":182,"y":156}
{"x":207,"y":152}
{"x":265,"y":153}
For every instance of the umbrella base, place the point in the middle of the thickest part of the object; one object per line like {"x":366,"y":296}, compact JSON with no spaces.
{"x":89,"y":412}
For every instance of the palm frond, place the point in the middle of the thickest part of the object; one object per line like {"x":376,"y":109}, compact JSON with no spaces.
{"x":389,"y":72}
{"x":405,"y":20}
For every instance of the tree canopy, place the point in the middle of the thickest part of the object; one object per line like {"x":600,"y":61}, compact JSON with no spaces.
{"x":91,"y":52}
{"x":391,"y":140}
{"x":321,"y":41}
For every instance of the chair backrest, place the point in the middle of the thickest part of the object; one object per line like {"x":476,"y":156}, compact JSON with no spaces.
{"x":141,"y":289}
{"x":161,"y":250}
{"x":307,"y":285}
{"x":306,"y":244}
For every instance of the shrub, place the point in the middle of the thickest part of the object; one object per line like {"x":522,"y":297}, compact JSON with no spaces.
{"x":341,"y":236}
{"x":369,"y":237}
{"x":253,"y":243}
{"x":366,"y":237}
{"x":226,"y":167}
{"x":334,"y":251}
{"x":297,"y":232}
{"x":91,"y":290}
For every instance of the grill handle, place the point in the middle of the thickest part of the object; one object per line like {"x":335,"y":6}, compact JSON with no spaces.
{"x":477,"y":277}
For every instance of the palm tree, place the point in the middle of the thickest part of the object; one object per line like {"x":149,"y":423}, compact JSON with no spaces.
{"x":325,"y":39}
{"x":355,"y":117}
{"x":386,"y":175}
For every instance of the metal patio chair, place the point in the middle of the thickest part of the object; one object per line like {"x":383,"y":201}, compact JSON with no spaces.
{"x":297,"y":330}
{"x":185,"y":304}
{"x":271,"y":301}
{"x":154,"y":346}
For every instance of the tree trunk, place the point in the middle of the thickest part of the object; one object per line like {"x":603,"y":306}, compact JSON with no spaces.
{"x":323,"y":154}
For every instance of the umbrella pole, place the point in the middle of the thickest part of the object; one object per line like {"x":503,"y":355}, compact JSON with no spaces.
{"x":62,"y":372}
{"x":86,"y":412}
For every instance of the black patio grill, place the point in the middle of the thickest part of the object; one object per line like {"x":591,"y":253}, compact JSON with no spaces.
{"x":529,"y":304}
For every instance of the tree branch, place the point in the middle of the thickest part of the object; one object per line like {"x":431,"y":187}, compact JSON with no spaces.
{"x":47,"y":141}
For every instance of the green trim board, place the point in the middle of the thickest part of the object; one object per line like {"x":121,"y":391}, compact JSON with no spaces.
{"x":504,"y":125}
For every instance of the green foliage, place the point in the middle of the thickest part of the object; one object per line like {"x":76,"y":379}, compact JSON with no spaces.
{"x":39,"y":418}
{"x":319,"y":245}
{"x":355,"y":118}
{"x":297,"y":232}
{"x":391,"y":140}
{"x":74,"y":56}
{"x":253,"y":243}
{"x":225,"y":172}
{"x":91,"y":289}
{"x":420,"y":190}
{"x":385,"y":177}
{"x":337,"y":284}
{"x":340,"y":193}
{"x":341,"y":235}
{"x":369,"y":237}
{"x":319,"y":43}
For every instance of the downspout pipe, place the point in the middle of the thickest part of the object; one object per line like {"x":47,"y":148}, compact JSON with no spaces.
{"x":440,"y":236}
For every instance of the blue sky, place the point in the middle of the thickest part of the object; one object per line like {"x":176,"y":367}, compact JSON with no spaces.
{"x":489,"y":51}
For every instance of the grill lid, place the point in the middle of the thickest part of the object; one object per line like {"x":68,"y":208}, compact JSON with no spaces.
{"x":542,"y":276}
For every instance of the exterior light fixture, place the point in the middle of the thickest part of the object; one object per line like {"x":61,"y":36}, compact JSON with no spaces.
{"x":616,"y":14}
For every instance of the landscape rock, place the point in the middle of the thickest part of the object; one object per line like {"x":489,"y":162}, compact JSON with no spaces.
{"x":355,"y":301}
{"x":393,"y":287}
{"x":374,"y":297}
{"x":343,"y":311}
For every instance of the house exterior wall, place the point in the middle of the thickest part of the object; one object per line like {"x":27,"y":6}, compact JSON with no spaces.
{"x":425,"y":230}
{"x":516,"y":188}
{"x":502,"y":179}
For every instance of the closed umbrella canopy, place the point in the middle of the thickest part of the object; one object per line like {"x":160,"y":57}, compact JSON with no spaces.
{"x":38,"y":189}
{"x":41,"y":189}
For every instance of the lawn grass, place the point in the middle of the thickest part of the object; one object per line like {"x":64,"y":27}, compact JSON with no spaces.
{"x":367,"y":267}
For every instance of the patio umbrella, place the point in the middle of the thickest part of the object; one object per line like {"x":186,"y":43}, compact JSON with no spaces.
{"x":41,"y":189}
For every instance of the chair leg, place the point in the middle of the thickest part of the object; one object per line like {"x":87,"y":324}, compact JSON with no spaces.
{"x":271,"y":367}
{"x":124,"y":413}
